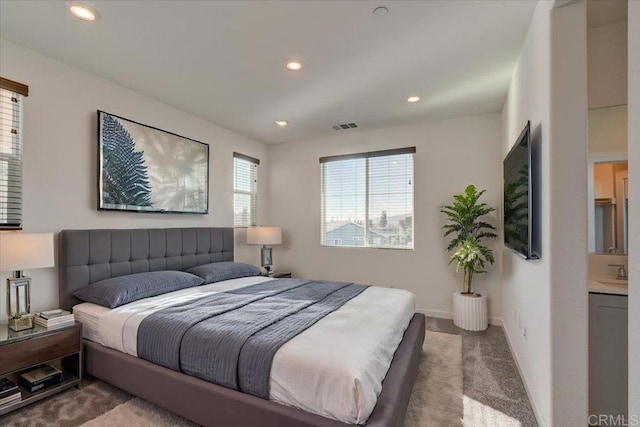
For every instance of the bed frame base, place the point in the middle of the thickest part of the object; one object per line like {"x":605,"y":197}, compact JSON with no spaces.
{"x":208,"y":404}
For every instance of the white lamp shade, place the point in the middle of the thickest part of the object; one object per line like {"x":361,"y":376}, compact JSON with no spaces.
{"x":264,"y":235}
{"x":22,"y":251}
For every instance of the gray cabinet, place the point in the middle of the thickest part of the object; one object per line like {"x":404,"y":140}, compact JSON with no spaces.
{"x":608,"y":356}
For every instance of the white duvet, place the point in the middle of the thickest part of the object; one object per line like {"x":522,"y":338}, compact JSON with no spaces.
{"x":334,"y":369}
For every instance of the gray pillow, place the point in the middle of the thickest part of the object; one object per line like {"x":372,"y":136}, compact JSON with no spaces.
{"x":219,"y":271}
{"x":122,"y":290}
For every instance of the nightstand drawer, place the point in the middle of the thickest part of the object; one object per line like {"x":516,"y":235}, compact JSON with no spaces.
{"x":22,"y":354}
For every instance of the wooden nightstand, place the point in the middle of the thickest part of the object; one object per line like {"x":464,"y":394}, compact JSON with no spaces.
{"x":281,"y":274}
{"x":60,"y":347}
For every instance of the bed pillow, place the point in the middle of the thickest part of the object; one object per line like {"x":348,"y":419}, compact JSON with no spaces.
{"x":219,"y":271}
{"x":121,"y":290}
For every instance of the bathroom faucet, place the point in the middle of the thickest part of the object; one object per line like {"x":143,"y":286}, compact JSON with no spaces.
{"x":622,"y":271}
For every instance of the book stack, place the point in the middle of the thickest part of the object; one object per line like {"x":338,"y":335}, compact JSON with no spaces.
{"x":54,"y":318}
{"x":41,"y":377}
{"x":9,"y":392}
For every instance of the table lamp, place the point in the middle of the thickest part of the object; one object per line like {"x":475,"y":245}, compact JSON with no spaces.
{"x":22,"y":251}
{"x":265,"y":236}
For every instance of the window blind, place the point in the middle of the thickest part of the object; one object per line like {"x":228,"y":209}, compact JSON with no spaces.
{"x":11,"y":111}
{"x":245,"y":190}
{"x":367,"y":199}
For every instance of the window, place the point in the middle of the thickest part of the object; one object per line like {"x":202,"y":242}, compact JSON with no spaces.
{"x":11,"y":109}
{"x":245,"y":190}
{"x":367,"y":199}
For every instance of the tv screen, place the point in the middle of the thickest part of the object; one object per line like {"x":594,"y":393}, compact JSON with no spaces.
{"x":518,"y":196}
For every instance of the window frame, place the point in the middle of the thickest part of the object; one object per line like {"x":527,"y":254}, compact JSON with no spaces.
{"x":367,"y":156}
{"x":253,"y":195}
{"x":12,"y":159}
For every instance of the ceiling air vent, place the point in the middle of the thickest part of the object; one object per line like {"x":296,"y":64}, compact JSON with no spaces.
{"x":345,"y":126}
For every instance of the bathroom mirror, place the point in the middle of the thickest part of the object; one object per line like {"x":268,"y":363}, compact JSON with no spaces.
{"x":608,"y":181}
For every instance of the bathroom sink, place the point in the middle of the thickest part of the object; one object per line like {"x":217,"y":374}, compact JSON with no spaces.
{"x":613,"y":282}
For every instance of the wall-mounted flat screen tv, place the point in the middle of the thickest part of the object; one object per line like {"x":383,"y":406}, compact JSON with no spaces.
{"x":520,"y":226}
{"x":145,"y":169}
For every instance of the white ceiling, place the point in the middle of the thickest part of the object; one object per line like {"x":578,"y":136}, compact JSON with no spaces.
{"x":224,"y":61}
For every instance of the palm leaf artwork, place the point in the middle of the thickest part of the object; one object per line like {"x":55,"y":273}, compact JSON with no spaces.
{"x":124,"y":172}
{"x":468,"y":230}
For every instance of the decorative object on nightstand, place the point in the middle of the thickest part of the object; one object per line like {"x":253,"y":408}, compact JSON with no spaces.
{"x":469,"y":228}
{"x":54,"y":318}
{"x":40,"y":377}
{"x":20,"y":251}
{"x":9,"y":392}
{"x":265,"y":236}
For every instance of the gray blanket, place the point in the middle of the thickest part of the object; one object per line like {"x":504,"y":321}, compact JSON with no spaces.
{"x":231,"y":338}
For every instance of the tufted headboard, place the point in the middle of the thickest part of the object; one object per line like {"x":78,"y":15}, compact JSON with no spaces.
{"x":87,"y":256}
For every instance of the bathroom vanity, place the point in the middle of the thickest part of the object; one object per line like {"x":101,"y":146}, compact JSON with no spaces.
{"x":608,"y":345}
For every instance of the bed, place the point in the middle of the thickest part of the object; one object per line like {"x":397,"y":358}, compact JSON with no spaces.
{"x":88,"y":256}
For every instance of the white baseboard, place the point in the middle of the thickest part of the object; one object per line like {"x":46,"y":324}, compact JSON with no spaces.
{"x":536,"y":409}
{"x":441,"y":314}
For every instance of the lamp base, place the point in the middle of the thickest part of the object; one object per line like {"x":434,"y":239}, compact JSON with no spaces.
{"x":18,"y":295}
{"x":266,"y":259}
{"x":21,"y":323}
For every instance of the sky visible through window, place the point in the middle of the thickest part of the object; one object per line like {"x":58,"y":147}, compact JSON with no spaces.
{"x":390,"y":200}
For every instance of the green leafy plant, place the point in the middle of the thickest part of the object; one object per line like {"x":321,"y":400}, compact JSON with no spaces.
{"x":464,"y":221}
{"x":472,"y":258}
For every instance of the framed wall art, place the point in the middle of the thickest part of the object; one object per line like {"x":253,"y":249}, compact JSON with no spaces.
{"x":145,"y":169}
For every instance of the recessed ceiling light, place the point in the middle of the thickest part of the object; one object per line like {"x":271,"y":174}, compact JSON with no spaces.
{"x":282,"y":123}
{"x":84,"y":12}
{"x":413,"y":98}
{"x":380,"y":11}
{"x":294,"y":65}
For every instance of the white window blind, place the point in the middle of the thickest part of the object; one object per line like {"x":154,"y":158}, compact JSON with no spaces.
{"x":11,"y":110}
{"x":245,"y":190}
{"x":367,"y":199}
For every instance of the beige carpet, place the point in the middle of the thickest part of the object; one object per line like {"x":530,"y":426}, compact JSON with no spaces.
{"x":138,"y":413}
{"x":70,"y":408}
{"x":437,"y":392}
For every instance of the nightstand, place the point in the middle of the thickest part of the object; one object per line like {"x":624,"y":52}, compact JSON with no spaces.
{"x":281,"y":274}
{"x":60,"y":347}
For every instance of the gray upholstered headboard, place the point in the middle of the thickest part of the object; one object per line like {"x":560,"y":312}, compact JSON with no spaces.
{"x":87,"y":256}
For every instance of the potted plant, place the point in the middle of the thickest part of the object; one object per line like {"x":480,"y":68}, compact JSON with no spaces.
{"x":465,"y":223}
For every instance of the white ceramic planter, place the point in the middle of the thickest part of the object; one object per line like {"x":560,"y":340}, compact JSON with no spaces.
{"x":470,"y":312}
